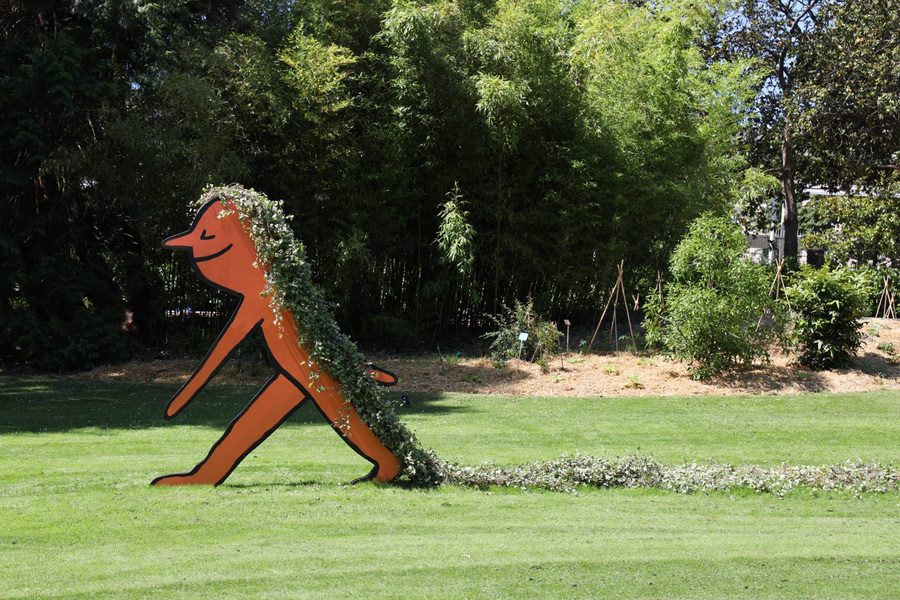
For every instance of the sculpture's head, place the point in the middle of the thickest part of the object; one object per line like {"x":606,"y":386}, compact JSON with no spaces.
{"x":220,"y":248}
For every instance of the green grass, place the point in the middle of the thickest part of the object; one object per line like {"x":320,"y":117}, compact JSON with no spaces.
{"x":77,"y":518}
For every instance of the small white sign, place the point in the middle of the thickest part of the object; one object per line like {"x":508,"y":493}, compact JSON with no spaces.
{"x":523,"y":336}
{"x":566,"y":321}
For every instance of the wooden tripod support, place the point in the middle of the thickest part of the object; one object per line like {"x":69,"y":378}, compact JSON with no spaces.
{"x":778,"y":283}
{"x":777,"y":288}
{"x":887,"y":305}
{"x":618,"y":290}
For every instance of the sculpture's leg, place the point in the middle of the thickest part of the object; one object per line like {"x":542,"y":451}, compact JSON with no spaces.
{"x":350,"y":426}
{"x":325,"y":392}
{"x":271,"y":406}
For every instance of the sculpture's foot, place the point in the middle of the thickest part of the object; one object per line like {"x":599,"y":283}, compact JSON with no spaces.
{"x":272,"y":405}
{"x":387,"y":472}
{"x":181,"y":479}
{"x":382,"y":473}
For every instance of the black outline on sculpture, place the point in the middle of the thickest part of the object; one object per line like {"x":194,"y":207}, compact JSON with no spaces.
{"x":279,"y":370}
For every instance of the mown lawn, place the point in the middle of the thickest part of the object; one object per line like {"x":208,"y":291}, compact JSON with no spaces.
{"x":78,"y":518}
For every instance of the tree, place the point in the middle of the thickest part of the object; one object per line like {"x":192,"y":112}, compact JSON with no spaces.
{"x":75,"y":78}
{"x":60,"y":304}
{"x":860,"y":228}
{"x":581,"y":133}
{"x":849,"y":86}
{"x":772,"y":32}
{"x":715,"y":302}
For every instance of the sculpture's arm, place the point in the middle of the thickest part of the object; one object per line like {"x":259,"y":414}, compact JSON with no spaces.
{"x":233,"y":334}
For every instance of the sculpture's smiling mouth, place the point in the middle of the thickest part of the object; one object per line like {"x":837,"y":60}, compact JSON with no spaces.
{"x":214,"y":255}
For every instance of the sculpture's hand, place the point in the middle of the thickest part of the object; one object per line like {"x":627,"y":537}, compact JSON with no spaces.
{"x":385,"y":378}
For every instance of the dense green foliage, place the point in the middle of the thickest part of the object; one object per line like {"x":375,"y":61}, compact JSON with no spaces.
{"x":867,"y":232}
{"x":578,"y":135}
{"x":827,"y":305}
{"x":849,"y":83}
{"x":871,"y":279}
{"x":570,"y":135}
{"x":717,"y":311}
{"x":826,"y":94}
{"x":772,"y":33}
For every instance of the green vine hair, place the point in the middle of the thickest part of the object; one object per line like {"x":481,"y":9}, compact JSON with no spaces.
{"x":289,"y":285}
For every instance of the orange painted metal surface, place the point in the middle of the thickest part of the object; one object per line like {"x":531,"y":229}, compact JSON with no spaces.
{"x":225,"y":256}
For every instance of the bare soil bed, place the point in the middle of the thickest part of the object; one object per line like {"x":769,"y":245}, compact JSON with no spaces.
{"x":622,"y":374}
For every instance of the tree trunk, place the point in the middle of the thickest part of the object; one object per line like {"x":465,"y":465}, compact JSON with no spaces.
{"x":790,"y":201}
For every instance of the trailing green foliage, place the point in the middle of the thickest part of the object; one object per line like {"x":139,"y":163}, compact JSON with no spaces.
{"x":290,"y":286}
{"x":827,"y":305}
{"x":717,"y":310}
{"x":568,"y":473}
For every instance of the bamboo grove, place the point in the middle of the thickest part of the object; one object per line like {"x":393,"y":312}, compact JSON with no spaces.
{"x":440,"y":159}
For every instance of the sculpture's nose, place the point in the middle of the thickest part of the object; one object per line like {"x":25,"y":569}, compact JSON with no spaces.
{"x":180,"y":240}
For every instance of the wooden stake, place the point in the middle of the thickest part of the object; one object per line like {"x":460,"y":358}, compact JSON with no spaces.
{"x":614,"y":326}
{"x":778,"y":282}
{"x":881,"y":298}
{"x":659,"y":290}
{"x":597,"y":329}
{"x":625,"y":302}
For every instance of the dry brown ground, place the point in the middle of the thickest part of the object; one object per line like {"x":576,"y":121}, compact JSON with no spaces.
{"x":624,"y":374}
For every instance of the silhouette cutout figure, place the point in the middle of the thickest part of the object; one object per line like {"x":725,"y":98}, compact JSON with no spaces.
{"x":224,"y":255}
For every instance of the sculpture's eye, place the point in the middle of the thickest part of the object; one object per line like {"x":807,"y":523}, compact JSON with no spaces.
{"x":203,"y":236}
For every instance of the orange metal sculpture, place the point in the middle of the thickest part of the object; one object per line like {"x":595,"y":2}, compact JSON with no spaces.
{"x":224,"y":255}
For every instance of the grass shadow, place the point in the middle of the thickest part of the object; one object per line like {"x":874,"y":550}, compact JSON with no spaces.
{"x":57,"y":404}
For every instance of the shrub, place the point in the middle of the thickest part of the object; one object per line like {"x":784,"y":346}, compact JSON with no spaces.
{"x":714,"y":308}
{"x":543,"y":336}
{"x":827,"y":306}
